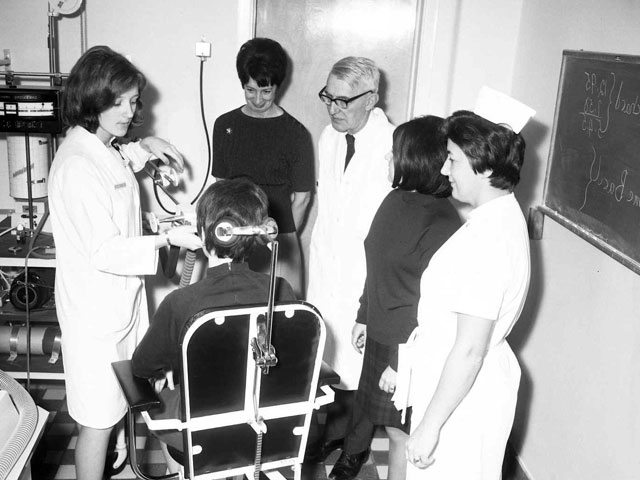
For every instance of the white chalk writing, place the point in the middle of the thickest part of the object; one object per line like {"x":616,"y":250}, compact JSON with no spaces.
{"x":616,"y":186}
{"x":597,"y":103}
{"x":605,"y":93}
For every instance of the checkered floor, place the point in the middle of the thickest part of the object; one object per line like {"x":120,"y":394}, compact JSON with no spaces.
{"x":54,"y":457}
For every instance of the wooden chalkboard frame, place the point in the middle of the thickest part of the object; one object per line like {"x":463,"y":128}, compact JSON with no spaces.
{"x":600,"y":235}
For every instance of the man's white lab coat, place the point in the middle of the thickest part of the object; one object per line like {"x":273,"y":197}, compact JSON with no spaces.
{"x":347,"y":203}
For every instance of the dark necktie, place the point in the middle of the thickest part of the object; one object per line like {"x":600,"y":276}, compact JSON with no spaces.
{"x":351,"y":149}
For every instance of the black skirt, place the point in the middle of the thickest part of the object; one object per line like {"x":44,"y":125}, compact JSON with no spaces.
{"x":377,"y":403}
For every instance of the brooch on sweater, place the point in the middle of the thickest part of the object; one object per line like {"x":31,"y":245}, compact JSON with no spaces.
{"x":229,"y":131}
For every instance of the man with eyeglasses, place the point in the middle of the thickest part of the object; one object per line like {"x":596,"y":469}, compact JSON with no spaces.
{"x":352,"y":182}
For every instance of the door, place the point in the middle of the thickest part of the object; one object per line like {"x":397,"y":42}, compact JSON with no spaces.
{"x":317,"y":33}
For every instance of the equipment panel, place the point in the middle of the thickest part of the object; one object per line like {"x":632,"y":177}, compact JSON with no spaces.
{"x":30,"y":109}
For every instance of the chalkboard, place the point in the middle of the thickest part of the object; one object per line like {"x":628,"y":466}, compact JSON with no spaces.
{"x":593,"y":178}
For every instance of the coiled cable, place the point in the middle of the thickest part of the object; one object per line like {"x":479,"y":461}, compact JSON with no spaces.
{"x":187,"y":268}
{"x":26,"y":427}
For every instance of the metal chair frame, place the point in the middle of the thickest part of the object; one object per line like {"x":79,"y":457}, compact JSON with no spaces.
{"x":259,"y":407}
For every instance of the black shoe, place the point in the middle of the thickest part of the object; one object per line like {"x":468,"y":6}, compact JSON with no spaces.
{"x":317,"y":455}
{"x":348,"y":466}
{"x":109,"y":471}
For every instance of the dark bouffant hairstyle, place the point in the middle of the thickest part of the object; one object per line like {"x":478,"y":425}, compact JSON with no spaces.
{"x":239,"y":200}
{"x":419,"y":151}
{"x":488,"y":146}
{"x":262,"y":59}
{"x":95,"y":81}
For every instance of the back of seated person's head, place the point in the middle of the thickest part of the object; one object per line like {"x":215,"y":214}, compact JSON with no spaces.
{"x":238,"y":200}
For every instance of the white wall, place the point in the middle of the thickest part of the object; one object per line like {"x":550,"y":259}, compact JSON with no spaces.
{"x":579,"y":337}
{"x":465,"y":44}
{"x":578,"y":416}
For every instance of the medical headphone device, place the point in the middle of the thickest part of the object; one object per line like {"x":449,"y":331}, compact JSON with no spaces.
{"x":227,"y":231}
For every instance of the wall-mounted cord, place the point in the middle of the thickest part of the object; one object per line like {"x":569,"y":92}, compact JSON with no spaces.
{"x":206,"y":134}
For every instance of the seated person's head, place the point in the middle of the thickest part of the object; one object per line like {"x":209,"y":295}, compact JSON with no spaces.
{"x":419,"y":151}
{"x":488,"y":146}
{"x":241,"y":202}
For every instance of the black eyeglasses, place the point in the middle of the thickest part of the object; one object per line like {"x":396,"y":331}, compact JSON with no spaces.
{"x":342,"y":103}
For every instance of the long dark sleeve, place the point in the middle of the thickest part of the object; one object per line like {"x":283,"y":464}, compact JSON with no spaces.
{"x":156,"y":353}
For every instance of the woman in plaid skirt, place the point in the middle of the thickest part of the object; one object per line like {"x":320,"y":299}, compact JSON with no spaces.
{"x":413,"y":221}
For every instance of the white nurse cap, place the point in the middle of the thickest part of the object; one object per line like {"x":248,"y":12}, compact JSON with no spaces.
{"x":502,"y":109}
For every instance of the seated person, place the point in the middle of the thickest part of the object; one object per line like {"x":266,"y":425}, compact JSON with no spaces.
{"x":228,"y":282}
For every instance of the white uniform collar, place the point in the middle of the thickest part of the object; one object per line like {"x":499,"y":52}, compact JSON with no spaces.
{"x":377,"y":117}
{"x":487,"y":208}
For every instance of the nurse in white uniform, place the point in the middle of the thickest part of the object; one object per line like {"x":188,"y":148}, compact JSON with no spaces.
{"x":101,"y":253}
{"x":464,"y":381}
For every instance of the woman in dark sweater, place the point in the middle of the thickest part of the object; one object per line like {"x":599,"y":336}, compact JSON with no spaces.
{"x":262,"y":141}
{"x":412,"y":222}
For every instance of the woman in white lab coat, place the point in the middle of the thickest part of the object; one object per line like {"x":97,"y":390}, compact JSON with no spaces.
{"x":101,"y":253}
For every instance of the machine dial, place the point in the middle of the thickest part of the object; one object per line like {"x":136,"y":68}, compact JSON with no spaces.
{"x":64,"y":7}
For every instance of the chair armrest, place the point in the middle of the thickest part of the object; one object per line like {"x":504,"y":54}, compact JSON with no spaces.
{"x":328,"y":376}
{"x":325,"y":394}
{"x":138,"y":391}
